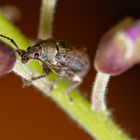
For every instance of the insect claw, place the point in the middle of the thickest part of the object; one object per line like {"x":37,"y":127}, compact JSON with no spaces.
{"x":26,"y":83}
{"x":68,"y":95}
{"x":74,"y":86}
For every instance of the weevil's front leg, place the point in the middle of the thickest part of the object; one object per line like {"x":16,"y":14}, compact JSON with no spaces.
{"x":38,"y":77}
{"x":77,"y":80}
{"x":46,"y":71}
{"x":57,"y":70}
{"x":74,"y":86}
{"x":74,"y":78}
{"x":64,"y":72}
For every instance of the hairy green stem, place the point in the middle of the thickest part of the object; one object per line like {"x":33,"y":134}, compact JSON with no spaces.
{"x":98,"y":100}
{"x":98,"y":124}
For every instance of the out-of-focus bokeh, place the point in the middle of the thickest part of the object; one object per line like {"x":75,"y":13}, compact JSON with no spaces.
{"x":26,"y":114}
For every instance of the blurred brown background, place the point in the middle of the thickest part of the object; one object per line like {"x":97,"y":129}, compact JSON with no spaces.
{"x":26,"y":114}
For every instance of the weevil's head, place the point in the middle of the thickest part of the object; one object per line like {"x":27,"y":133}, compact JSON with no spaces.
{"x":31,"y":53}
{"x":44,"y":50}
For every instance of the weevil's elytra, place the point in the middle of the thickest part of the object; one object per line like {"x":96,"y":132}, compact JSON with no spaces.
{"x":57,"y":56}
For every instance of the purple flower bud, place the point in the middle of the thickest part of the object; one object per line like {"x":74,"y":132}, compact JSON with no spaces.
{"x":7,"y":58}
{"x":119,"y":51}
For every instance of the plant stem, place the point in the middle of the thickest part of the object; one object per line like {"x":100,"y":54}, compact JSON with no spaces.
{"x":98,"y":124}
{"x":98,"y":99}
{"x":46,"y":18}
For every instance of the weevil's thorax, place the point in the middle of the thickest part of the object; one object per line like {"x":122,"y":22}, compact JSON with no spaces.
{"x":49,"y":51}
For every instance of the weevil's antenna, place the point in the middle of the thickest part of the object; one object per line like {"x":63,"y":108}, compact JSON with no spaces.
{"x":13,"y":42}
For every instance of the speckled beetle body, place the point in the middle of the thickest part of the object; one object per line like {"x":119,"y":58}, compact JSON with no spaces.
{"x":64,"y":59}
{"x":57,"y":56}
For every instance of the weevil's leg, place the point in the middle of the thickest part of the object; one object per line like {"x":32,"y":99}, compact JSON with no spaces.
{"x":46,"y":71}
{"x":54,"y":82}
{"x":58,"y":79}
{"x":26,"y":83}
{"x":61,"y":72}
{"x":75,"y":78}
{"x":74,"y":86}
{"x":64,"y":72}
{"x":38,"y":77}
{"x":57,"y":70}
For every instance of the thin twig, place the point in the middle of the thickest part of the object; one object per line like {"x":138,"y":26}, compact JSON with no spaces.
{"x":46,"y":18}
{"x":99,"y":92}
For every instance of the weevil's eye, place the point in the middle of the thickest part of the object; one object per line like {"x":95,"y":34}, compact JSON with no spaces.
{"x":24,"y":60}
{"x":28,"y":48}
{"x":36,"y":55}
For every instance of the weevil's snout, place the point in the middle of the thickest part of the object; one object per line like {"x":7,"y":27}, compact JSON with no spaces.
{"x":20,"y":52}
{"x":24,"y":58}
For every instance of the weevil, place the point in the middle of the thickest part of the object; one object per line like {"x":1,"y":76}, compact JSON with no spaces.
{"x":57,"y":56}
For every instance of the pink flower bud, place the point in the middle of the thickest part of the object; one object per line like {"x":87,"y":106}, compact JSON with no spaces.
{"x":7,"y":58}
{"x":119,"y":50}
